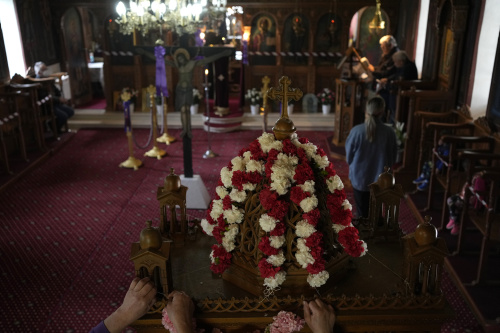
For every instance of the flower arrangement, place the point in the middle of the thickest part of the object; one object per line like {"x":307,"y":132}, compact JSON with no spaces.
{"x":400,"y":134}
{"x":254,"y":96}
{"x":287,"y":171}
{"x":326,"y":96}
{"x":196,"y":96}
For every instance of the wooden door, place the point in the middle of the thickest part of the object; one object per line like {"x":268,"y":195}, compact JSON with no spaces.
{"x":76,"y":57}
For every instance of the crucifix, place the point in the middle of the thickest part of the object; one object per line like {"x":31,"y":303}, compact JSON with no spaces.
{"x":185,"y":65}
{"x":284,"y":127}
{"x":265,"y":81}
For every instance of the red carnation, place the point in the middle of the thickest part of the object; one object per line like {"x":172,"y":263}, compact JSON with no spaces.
{"x":355,"y":249}
{"x":267,"y":198}
{"x":256,"y":150}
{"x":266,"y":248}
{"x":253,"y":177}
{"x":242,"y":151}
{"x":303,"y":173}
{"x":347,"y":236}
{"x":279,"y":229}
{"x":218,"y":233}
{"x":297,"y":195}
{"x":226,"y":203}
{"x":320,"y":152}
{"x":317,"y":252}
{"x":238,"y":179}
{"x":303,"y":140}
{"x":220,"y":183}
{"x":301,"y":153}
{"x":316,"y":267}
{"x":289,"y":148}
{"x":314,"y":240}
{"x":312,"y":217}
{"x":330,"y":170}
{"x":222,"y":259}
{"x":266,"y":269}
{"x":279,"y":209}
{"x":339,"y":215}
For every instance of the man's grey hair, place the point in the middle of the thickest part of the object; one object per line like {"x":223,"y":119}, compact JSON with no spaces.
{"x":389,"y":39}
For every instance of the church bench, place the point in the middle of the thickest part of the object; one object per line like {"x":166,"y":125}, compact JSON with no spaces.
{"x":452,"y":180}
{"x":431,"y":123}
{"x":432,"y":101}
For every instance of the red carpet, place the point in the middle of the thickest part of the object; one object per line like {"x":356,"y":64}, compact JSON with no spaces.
{"x":68,"y":225}
{"x":95,"y":104}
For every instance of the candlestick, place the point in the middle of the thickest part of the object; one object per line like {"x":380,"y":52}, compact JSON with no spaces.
{"x":209,"y":153}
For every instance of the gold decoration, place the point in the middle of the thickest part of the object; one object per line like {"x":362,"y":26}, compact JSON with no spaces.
{"x":284,"y":127}
{"x":155,"y":151}
{"x":131,"y":162}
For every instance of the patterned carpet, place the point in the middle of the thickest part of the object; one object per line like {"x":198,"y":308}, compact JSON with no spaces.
{"x":67,"y":227}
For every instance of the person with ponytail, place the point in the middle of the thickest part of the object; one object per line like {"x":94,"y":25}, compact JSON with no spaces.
{"x":369,"y":148}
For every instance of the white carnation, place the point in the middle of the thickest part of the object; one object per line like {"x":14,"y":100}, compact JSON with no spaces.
{"x":276,"y":281}
{"x":247,"y":156}
{"x":207,"y":227}
{"x":338,"y":227}
{"x":238,"y":163}
{"x":229,"y":236}
{"x":321,"y":161}
{"x":309,"y":204}
{"x":226,"y":176}
{"x":334,"y":183}
{"x":249,"y":187}
{"x":237,"y":195}
{"x":267,"y":223}
{"x":277,"y":259}
{"x":308,"y":186}
{"x":277,"y":241}
{"x":304,"y":229}
{"x":217,"y":209}
{"x":347,"y":205}
{"x":301,"y":245}
{"x":304,"y":258}
{"x":221,"y":191}
{"x":257,"y":166}
{"x":317,"y":280}
{"x":233,"y":215}
{"x":212,"y":258}
{"x":268,"y":142}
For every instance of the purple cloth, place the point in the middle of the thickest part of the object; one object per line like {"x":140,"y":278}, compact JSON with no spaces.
{"x":126,"y":115}
{"x":198,"y":42}
{"x":161,"y":76}
{"x":101,"y":328}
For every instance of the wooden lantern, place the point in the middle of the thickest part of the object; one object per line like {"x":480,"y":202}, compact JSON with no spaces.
{"x":171,"y":196}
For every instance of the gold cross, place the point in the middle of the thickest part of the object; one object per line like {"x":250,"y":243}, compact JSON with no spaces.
{"x":265,"y":81}
{"x":284,"y":93}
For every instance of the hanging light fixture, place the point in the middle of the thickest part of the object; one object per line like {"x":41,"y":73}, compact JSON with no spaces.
{"x":377,"y":23}
{"x":145,"y":15}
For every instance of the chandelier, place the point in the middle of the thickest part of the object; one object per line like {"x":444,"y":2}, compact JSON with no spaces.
{"x":184,"y":15}
{"x":377,"y":23}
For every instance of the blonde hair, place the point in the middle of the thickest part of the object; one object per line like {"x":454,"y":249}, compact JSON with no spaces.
{"x":374,"y":108}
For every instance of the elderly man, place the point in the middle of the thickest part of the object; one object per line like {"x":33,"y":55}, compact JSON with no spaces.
{"x":385,"y":68}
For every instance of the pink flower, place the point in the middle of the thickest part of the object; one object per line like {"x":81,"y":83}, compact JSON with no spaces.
{"x":286,"y":322}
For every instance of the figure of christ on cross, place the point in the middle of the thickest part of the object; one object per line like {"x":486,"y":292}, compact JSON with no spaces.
{"x":184,"y":93}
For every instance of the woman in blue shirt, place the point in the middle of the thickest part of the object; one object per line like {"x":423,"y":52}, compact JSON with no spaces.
{"x":369,"y":148}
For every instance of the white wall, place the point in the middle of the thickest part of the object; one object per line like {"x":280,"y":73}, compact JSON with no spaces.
{"x":12,"y":38}
{"x":487,"y":48}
